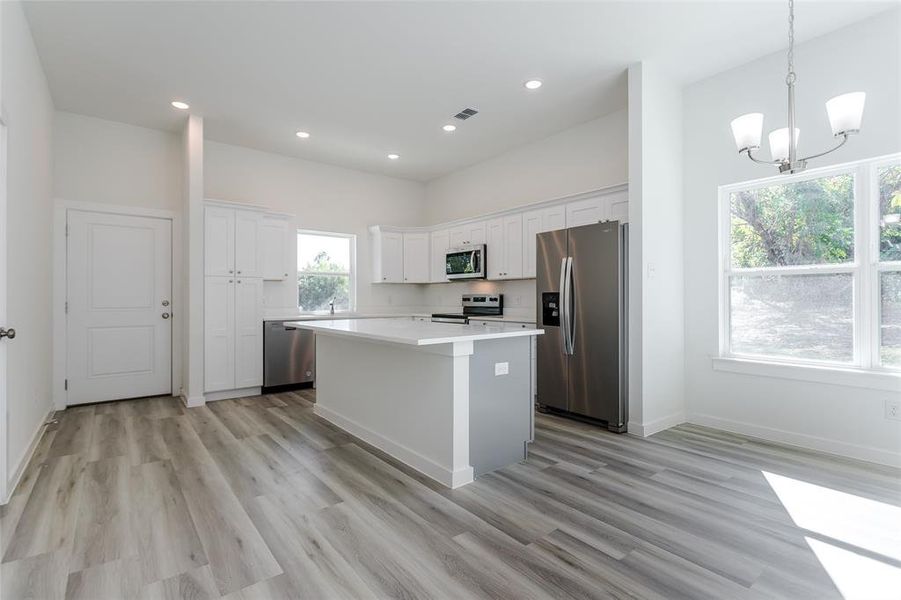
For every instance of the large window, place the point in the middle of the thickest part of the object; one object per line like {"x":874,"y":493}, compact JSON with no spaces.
{"x":325,"y":271}
{"x":811,"y":267}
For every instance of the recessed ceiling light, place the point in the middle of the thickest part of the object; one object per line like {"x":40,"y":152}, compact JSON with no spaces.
{"x":180,"y":105}
{"x":449,"y":128}
{"x":302,"y":135}
{"x":394,"y":156}
{"x":533,"y":84}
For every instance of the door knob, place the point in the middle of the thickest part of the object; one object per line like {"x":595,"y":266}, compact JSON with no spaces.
{"x":7,"y":333}
{"x":165,"y":303}
{"x":165,"y":315}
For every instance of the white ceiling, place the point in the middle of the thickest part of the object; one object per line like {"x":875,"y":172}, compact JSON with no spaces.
{"x":368,"y":78}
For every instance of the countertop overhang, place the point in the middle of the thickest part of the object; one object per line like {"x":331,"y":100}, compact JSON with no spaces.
{"x":413,"y":332}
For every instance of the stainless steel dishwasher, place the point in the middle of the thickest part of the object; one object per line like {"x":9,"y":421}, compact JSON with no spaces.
{"x":289,"y":355}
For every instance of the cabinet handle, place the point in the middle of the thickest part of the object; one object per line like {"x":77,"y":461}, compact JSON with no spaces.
{"x":239,"y":281}
{"x":230,"y":271}
{"x":231,"y":281}
{"x":239,"y":272}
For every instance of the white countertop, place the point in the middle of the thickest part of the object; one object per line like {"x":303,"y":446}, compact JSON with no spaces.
{"x":404,"y":330}
{"x":342,"y":316}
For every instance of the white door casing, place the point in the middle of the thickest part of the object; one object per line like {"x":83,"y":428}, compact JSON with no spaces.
{"x":4,"y":412}
{"x":119,"y":299}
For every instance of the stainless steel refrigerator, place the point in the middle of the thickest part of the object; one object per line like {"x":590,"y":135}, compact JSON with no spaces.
{"x":582,"y":304}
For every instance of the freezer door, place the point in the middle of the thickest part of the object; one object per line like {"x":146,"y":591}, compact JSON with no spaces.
{"x":595,"y":324}
{"x":552,"y":360}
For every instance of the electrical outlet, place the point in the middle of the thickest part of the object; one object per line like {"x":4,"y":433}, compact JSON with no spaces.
{"x":501,"y":368}
{"x":893,"y":409}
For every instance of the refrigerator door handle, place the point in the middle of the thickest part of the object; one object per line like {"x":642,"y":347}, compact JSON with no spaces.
{"x":570,"y":313}
{"x":564,"y":328}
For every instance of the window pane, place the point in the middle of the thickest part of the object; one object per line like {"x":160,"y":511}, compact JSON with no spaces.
{"x":891,"y":319}
{"x":795,"y":316}
{"x":323,"y":253}
{"x":802,"y":223}
{"x":314,"y":292}
{"x":890,"y":212}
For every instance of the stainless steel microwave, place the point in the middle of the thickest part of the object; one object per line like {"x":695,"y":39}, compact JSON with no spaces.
{"x":466,"y":262}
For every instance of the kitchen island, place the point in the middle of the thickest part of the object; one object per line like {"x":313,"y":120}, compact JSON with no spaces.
{"x":451,"y":401}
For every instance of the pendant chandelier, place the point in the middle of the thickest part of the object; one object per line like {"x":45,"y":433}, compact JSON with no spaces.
{"x":845,"y":113}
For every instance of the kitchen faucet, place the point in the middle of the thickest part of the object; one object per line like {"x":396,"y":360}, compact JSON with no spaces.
{"x":331,"y":306}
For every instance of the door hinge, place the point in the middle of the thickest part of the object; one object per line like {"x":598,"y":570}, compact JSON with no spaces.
{"x":67,"y":230}
{"x":67,"y":307}
{"x":66,"y":384}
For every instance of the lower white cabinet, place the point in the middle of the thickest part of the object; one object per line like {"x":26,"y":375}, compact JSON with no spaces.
{"x":233,"y":333}
{"x":416,"y":257}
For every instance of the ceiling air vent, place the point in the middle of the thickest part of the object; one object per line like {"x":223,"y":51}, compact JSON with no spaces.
{"x":466,"y":113}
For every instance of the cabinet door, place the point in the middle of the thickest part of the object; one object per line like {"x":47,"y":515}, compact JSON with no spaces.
{"x":440,"y":242}
{"x":457,"y":237}
{"x":218,"y":241}
{"x":247,"y":243}
{"x":392,"y":266}
{"x":248,"y":326}
{"x":219,"y":334}
{"x":554,"y":218}
{"x":531,"y":227}
{"x":585,"y":212}
{"x":496,"y":249}
{"x":416,"y":257}
{"x":512,"y":247}
{"x":274,"y":248}
{"x":476,"y":233}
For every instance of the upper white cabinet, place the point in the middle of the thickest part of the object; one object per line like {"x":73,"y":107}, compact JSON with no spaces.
{"x":247,"y":243}
{"x":410,"y":255}
{"x":387,"y":256}
{"x":231,"y":242}
{"x":534,"y":222}
{"x":470,"y":233}
{"x":440,"y":242}
{"x":504,"y":247}
{"x":274,"y":247}
{"x":416,"y":257}
{"x":585,"y":212}
{"x":219,"y":241}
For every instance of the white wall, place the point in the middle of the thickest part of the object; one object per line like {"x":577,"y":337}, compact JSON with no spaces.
{"x":29,"y":110}
{"x":322,"y":197}
{"x":656,"y":393}
{"x":863,"y":56}
{"x":589,"y":156}
{"x":585,"y":157}
{"x":113,"y":163}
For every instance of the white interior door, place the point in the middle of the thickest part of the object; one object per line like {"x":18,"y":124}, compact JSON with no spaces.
{"x":119,"y":294}
{"x":4,"y":414}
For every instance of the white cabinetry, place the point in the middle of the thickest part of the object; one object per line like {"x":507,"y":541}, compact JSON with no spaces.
{"x":274,"y":245}
{"x":504,"y":247}
{"x":470,"y":233}
{"x":387,"y":256}
{"x":533,"y":223}
{"x":247,"y":243}
{"x":440,"y":242}
{"x":233,"y":297}
{"x":416,"y":257}
{"x":248,"y":332}
{"x":585,"y":212}
{"x":233,"y":333}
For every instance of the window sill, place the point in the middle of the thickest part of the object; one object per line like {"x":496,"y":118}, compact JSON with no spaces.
{"x":851,"y":377}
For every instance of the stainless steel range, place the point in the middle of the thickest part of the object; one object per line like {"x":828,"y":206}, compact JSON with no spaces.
{"x":474,"y":305}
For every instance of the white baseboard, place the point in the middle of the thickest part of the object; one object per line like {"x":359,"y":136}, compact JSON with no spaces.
{"x":426,"y":466}
{"x":652,"y":427}
{"x":19,"y":470}
{"x":229,"y":394}
{"x":193,"y":401}
{"x":802,"y":440}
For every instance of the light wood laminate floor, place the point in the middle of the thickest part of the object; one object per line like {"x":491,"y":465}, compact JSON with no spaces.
{"x":259,"y":498}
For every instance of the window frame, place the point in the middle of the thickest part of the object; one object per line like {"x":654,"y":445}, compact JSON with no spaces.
{"x":351,"y":274}
{"x":865,"y":270}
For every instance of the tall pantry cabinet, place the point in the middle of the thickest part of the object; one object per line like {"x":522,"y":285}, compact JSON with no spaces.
{"x":233,"y":298}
